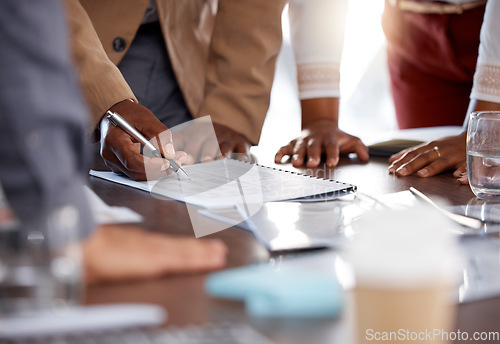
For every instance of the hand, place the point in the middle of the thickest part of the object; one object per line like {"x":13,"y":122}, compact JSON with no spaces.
{"x":231,"y":141}
{"x":121,"y":152}
{"x":115,"y":253}
{"x":321,"y":137}
{"x":202,"y":143}
{"x":430,"y":158}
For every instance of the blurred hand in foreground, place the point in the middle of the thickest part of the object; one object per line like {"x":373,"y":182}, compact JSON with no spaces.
{"x":117,"y":253}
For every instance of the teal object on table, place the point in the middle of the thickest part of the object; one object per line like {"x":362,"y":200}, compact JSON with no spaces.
{"x":279,"y":292}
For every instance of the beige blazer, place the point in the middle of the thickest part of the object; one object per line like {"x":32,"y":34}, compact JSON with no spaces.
{"x":223,"y":54}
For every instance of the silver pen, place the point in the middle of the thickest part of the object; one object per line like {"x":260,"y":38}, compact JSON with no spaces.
{"x":119,"y":121}
{"x":461,"y":219}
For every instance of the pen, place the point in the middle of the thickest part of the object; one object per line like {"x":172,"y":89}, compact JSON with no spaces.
{"x":119,"y":121}
{"x":461,"y":219}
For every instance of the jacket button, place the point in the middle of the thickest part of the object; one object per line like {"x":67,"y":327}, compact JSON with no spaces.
{"x":119,"y":44}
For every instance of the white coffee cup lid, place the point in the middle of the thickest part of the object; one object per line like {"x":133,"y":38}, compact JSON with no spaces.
{"x":404,"y":248}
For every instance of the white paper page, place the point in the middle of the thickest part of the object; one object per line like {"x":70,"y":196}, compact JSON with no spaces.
{"x":226,"y":183}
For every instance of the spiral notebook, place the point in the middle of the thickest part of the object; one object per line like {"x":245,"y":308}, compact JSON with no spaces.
{"x":227,"y":182}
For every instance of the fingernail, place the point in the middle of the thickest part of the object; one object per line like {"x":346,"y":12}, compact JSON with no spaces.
{"x":402,"y":171}
{"x":392,"y":169}
{"x":331,"y":163}
{"x":295,"y":157}
{"x":423,"y":172}
{"x":165,"y":167}
{"x":169,"y":149}
{"x":182,"y":159}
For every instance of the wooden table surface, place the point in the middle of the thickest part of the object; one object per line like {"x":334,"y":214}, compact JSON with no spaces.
{"x":184,"y":297}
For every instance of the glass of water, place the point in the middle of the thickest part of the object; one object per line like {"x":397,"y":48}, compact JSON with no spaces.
{"x":40,"y":265}
{"x":483,"y":153}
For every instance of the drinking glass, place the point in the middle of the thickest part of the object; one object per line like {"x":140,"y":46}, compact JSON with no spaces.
{"x":483,"y":153}
{"x":40,"y":265}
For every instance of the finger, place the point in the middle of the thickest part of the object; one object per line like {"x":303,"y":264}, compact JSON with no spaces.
{"x":158,"y":167}
{"x":299,"y":154}
{"x":168,"y":151}
{"x":354,"y":145}
{"x":243,"y":147}
{"x":192,"y":255}
{"x":242,"y":151}
{"x":127,"y":158}
{"x":313,"y":153}
{"x":226,"y":148}
{"x":418,"y":162}
{"x":332,"y":154}
{"x":409,"y":155}
{"x":284,"y":151}
{"x":437,"y":166}
{"x":209,"y":151}
{"x":397,"y":156}
{"x":361,"y":151}
{"x":193,"y":148}
{"x":460,"y":170}
{"x":464,"y":178}
{"x":181,"y":157}
{"x":411,"y":151}
{"x":165,"y":144}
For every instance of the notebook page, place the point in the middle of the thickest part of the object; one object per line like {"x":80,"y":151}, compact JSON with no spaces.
{"x":226,"y":183}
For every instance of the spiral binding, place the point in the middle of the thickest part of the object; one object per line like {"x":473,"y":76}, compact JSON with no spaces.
{"x":354,"y":187}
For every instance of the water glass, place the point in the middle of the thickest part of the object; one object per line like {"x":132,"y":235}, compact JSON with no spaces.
{"x":40,"y":265}
{"x":483,"y":153}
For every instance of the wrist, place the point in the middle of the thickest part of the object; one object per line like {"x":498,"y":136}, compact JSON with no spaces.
{"x":325,"y":110}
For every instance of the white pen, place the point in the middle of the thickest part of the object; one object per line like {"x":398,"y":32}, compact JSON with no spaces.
{"x":119,"y":121}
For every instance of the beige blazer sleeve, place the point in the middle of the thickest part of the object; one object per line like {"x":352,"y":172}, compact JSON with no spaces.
{"x":102,"y":83}
{"x":245,"y":44}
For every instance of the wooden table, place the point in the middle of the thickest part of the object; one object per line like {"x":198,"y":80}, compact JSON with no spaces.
{"x":185,"y":299}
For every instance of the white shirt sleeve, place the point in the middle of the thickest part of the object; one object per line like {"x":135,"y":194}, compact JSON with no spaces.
{"x":487,"y":77}
{"x":317,"y":33}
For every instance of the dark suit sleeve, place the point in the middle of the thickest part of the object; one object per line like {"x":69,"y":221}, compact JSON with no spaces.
{"x":42,"y":117}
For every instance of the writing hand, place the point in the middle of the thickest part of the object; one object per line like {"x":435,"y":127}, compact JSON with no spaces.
{"x":121,"y":152}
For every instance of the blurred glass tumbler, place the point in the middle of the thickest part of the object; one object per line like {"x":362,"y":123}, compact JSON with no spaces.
{"x":40,"y":266}
{"x":483,"y":153}
{"x":406,"y":268}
